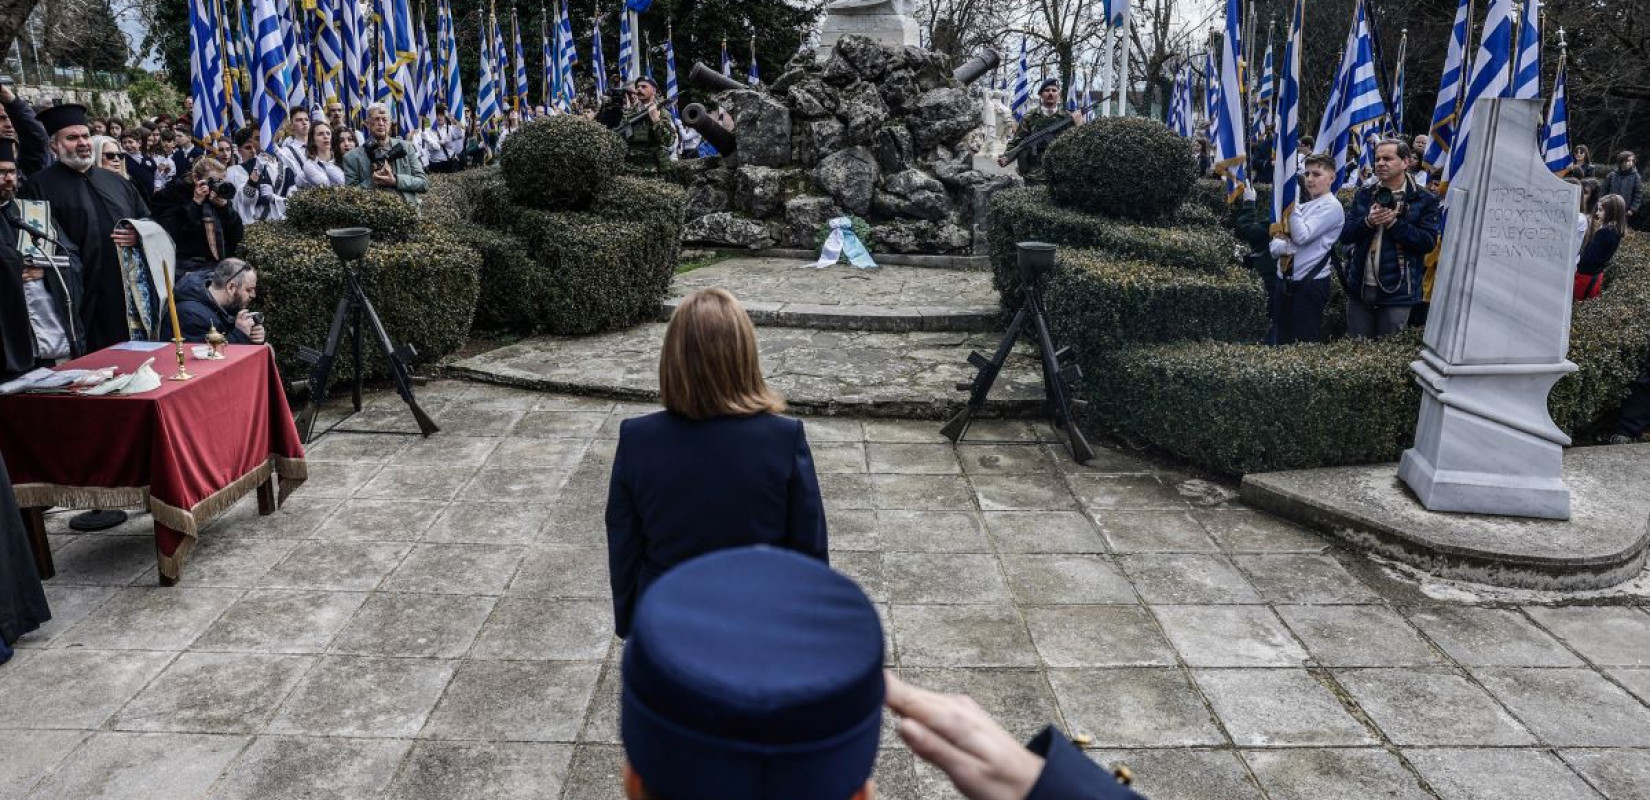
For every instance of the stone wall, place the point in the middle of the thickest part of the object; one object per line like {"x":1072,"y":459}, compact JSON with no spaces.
{"x":109,"y":102}
{"x":875,"y":131}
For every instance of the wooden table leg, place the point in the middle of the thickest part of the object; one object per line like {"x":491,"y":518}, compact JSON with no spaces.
{"x":267,"y":502}
{"x":34,"y":520}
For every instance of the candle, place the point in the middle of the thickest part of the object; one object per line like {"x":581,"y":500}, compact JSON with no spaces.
{"x":172,"y":303}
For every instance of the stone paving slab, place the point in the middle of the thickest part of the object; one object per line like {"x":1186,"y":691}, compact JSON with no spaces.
{"x":907,"y":375}
{"x":787,"y":292}
{"x":1605,"y":542}
{"x":321,"y":653}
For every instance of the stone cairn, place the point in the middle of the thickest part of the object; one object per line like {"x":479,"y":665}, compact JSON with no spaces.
{"x":872,"y":130}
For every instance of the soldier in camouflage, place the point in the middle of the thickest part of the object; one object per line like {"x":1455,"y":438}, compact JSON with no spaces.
{"x":1030,"y":161}
{"x":649,"y":136}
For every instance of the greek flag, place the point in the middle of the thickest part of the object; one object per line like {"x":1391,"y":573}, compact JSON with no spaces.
{"x":487,"y":89}
{"x":1267,"y":92}
{"x":206,"y":73}
{"x":671,"y":90}
{"x":1180,"y":103}
{"x":329,"y":54}
{"x":428,"y":85}
{"x":352,"y":41}
{"x":269,"y":72}
{"x":569,"y":55}
{"x":296,"y":96}
{"x":1445,"y":113}
{"x":452,"y":87}
{"x":727,"y":60}
{"x":752,"y":77}
{"x":1398,"y":84}
{"x":501,"y":76}
{"x":1355,"y":98}
{"x":598,"y":62}
{"x":1489,"y":76}
{"x":627,"y":48}
{"x":1527,"y":74}
{"x":551,"y":60}
{"x":1211,"y":94}
{"x":1556,"y":149}
{"x":1286,"y":156}
{"x":1022,"y":85}
{"x":521,"y":100}
{"x":382,"y":51}
{"x":1231,"y":153}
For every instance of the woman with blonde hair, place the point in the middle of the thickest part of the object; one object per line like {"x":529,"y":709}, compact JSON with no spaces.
{"x":718,"y":468}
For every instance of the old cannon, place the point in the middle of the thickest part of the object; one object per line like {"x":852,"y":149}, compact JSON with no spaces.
{"x":984,"y":61}
{"x":696,"y":117}
{"x":706,"y":78}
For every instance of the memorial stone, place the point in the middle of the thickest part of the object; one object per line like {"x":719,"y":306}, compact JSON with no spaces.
{"x":883,"y":21}
{"x":1499,"y":330}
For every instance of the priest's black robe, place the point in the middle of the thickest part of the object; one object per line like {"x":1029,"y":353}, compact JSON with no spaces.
{"x":85,"y":207}
{"x":22,"y":600}
{"x":16,"y":334}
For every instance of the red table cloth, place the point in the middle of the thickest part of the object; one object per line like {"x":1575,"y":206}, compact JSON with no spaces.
{"x":186,"y":451}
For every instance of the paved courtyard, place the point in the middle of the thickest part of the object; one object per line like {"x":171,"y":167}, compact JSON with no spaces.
{"x":429,"y":618}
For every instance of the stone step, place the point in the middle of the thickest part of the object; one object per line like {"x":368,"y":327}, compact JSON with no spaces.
{"x":787,"y":292}
{"x":861,"y":373}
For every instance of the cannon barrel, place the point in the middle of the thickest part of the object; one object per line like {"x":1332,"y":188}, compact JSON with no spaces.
{"x":971,"y":70}
{"x":696,"y":117}
{"x":706,"y":78}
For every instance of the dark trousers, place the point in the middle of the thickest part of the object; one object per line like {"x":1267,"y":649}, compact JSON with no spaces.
{"x":445,"y":167}
{"x":1297,"y":310}
{"x":1635,"y":410}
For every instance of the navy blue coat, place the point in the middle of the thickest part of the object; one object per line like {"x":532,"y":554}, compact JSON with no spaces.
{"x":1069,"y":775}
{"x":682,"y":488}
{"x":1404,"y":245}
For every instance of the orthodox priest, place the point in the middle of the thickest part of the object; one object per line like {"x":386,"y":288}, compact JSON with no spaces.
{"x":86,"y":204}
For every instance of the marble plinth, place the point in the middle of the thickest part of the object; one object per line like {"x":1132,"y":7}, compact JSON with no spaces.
{"x":898,"y":30}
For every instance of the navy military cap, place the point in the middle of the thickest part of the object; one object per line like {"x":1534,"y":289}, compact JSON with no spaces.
{"x":1055,"y":82}
{"x":751,"y":674}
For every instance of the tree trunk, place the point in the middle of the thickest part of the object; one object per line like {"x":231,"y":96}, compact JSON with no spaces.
{"x":14,"y":14}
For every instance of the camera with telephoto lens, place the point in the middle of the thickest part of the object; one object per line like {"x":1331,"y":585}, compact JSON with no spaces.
{"x":1387,"y":199}
{"x":224,"y":190}
{"x":383,"y":155}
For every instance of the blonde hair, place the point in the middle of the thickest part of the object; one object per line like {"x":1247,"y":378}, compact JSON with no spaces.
{"x":709,"y":365}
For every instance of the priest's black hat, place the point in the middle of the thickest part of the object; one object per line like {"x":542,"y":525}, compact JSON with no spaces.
{"x":57,"y":118}
{"x":8,"y":151}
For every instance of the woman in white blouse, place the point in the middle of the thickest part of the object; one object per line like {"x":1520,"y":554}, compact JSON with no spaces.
{"x":319,"y":167}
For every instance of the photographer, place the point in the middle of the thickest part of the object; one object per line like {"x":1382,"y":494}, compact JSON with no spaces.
{"x":196,"y":211}
{"x":385,"y":162}
{"x":217,"y":298}
{"x":649,"y":135}
{"x":1391,"y":227}
{"x":262,"y":182}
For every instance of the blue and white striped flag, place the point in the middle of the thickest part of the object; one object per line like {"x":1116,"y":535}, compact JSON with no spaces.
{"x":269,"y":71}
{"x":671,"y":90}
{"x":598,"y":62}
{"x":1526,"y":82}
{"x":429,"y":85}
{"x":383,"y":90}
{"x":1398,"y":84}
{"x":568,"y":55}
{"x":1022,"y":85}
{"x":353,"y":40}
{"x":727,"y":59}
{"x":550,"y":59}
{"x":1286,"y":146}
{"x":1490,"y":76}
{"x":328,"y":52}
{"x":206,"y":73}
{"x":753,"y":77}
{"x":627,"y":47}
{"x":522,"y":102}
{"x":296,"y":94}
{"x":487,"y":110}
{"x":1266,"y":93}
{"x":1446,"y":112}
{"x":1555,"y":149}
{"x":1211,"y":94}
{"x":1180,"y":102}
{"x":502,"y":75}
{"x":1231,"y":159}
{"x":452,"y":87}
{"x":1355,"y":98}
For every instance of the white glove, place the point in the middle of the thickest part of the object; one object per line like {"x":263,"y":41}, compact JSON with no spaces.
{"x":1281,"y":247}
{"x":266,"y":191}
{"x":1248,"y":194}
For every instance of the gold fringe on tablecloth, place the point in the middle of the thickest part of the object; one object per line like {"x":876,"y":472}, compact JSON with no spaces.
{"x":186,"y":522}
{"x":51,"y":494}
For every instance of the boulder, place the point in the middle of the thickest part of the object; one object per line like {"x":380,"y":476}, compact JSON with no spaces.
{"x":838,"y":72}
{"x":922,"y":236}
{"x":931,"y":70}
{"x":899,"y":89}
{"x":792,"y":74}
{"x":723,"y":228}
{"x":895,"y":150}
{"x":912,"y":194}
{"x":850,"y":176}
{"x":941,"y":117}
{"x":862,"y":111}
{"x":705,"y":198}
{"x":820,"y":138}
{"x":810,"y":97}
{"x":757,"y":191}
{"x":805,"y":217}
{"x":763,"y":125}
{"x":867,"y":57}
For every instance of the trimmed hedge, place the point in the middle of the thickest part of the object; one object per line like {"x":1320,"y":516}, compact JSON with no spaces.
{"x":315,"y":211}
{"x":1128,"y":167}
{"x":424,"y":290}
{"x":560,"y":163}
{"x":1107,"y":304}
{"x":1028,"y":214}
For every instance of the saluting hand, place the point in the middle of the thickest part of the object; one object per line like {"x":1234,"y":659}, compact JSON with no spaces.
{"x":953,"y":733}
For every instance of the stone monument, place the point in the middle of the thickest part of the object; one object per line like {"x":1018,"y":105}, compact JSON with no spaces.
{"x":882,"y":21}
{"x":1498,"y":332}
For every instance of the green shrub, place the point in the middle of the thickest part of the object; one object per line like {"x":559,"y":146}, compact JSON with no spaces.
{"x":560,"y":163}
{"x":315,"y":211}
{"x":1106,"y":304}
{"x":593,"y":273}
{"x":1208,"y":193}
{"x":424,"y":290}
{"x":507,"y":273}
{"x":1026,"y":214}
{"x":1609,"y":343}
{"x":1128,"y":167}
{"x":463,"y":197}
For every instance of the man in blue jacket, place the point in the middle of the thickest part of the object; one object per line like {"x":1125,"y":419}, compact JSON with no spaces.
{"x":217,"y":298}
{"x":1391,"y":227}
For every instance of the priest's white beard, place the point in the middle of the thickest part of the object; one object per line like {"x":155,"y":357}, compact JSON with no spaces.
{"x":72,"y":160}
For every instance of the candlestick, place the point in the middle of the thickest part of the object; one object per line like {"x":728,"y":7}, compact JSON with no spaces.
{"x":177,"y":330}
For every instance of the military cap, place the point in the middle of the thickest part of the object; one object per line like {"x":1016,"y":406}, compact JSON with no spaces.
{"x":1055,"y":82}
{"x":57,"y":118}
{"x":750,"y":674}
{"x":647,"y":80}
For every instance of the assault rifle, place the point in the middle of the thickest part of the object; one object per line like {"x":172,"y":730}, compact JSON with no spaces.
{"x":1040,"y":139}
